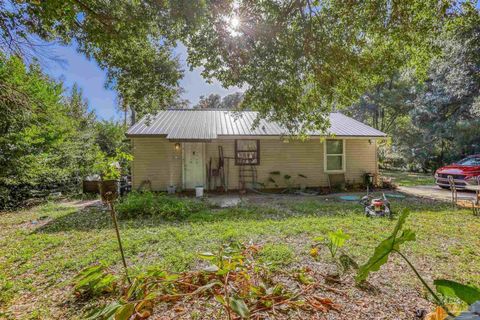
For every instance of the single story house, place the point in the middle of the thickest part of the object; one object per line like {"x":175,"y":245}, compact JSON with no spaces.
{"x":189,"y":148}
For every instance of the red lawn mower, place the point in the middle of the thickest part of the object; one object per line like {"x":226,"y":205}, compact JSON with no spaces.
{"x":376,"y":207}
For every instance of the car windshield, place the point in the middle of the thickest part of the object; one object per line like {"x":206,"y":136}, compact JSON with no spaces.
{"x":471,"y":161}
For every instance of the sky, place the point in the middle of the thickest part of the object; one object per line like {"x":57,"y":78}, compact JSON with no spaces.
{"x":75,"y":68}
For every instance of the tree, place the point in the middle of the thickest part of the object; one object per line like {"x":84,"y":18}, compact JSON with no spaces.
{"x":212,"y":101}
{"x":215,"y":101}
{"x":434,"y":122}
{"x":77,"y":107}
{"x":132,"y":41}
{"x":446,"y":121}
{"x":387,"y":107}
{"x":232,"y":101}
{"x":297,"y":58}
{"x":110,"y":137}
{"x":46,"y":142}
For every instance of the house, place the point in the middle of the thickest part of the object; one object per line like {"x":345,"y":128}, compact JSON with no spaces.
{"x":182,"y":148}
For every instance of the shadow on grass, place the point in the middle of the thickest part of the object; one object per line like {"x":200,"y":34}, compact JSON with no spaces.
{"x":96,"y":219}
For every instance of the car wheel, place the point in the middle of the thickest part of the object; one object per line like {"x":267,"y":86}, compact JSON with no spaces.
{"x":444,"y":187}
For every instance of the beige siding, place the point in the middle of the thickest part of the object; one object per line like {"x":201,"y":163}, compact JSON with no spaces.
{"x":156,"y":160}
{"x":361,"y":158}
{"x":289,"y":158}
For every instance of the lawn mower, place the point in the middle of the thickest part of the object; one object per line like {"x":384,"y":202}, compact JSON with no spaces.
{"x":376,"y":207}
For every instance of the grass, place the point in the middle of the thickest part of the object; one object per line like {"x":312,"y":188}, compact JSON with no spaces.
{"x":409,"y":179}
{"x":44,"y":247}
{"x":277,"y":255}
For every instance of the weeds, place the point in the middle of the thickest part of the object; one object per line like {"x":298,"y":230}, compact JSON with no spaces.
{"x":39,"y":251}
{"x":277,"y":255}
{"x":138,"y":204}
{"x":447,"y":288}
{"x":232,"y":278}
{"x":94,"y":280}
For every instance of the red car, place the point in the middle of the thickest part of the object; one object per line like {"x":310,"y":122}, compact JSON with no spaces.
{"x":464,"y":172}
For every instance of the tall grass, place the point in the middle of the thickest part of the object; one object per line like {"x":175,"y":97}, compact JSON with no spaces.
{"x":138,"y":204}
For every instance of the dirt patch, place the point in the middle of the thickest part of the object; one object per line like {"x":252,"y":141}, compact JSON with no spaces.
{"x":83,"y":204}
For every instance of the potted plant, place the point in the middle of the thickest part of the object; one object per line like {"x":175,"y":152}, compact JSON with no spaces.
{"x":109,"y":169}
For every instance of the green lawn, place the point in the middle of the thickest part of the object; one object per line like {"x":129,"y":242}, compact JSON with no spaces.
{"x":43,"y":248}
{"x":408,"y":179}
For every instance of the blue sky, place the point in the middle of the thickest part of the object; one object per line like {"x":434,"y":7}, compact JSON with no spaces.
{"x":87,"y":74}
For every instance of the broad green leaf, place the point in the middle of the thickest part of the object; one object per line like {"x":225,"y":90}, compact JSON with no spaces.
{"x":407,"y":235}
{"x":89,"y":271}
{"x":468,"y":294}
{"x":338,"y":238}
{"x":107,"y":312}
{"x":383,"y":250}
{"x":239,"y":307}
{"x":125,"y":312}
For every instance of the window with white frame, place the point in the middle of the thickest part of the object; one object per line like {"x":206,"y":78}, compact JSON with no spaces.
{"x":334,"y":151}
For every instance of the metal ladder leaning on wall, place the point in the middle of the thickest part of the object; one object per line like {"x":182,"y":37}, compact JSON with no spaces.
{"x":247,"y":174}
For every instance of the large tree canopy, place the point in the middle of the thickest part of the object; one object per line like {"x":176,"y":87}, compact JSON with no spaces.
{"x":446,"y":114}
{"x":46,"y":139}
{"x":297,"y":58}
{"x":132,"y":40}
{"x":436,"y":121}
{"x":49,"y":139}
{"x":300,"y":58}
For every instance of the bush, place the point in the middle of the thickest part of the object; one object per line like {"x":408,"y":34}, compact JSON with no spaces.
{"x":15,"y":196}
{"x":151,"y":204}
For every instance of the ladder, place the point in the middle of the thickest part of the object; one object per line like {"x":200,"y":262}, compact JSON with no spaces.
{"x":247,"y":175}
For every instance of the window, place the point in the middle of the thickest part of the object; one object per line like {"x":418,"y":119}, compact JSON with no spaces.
{"x":470,"y":161}
{"x":247,"y":152}
{"x":334,"y":155}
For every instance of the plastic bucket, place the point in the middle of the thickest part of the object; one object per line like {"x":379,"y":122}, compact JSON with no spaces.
{"x":199,"y":191}
{"x":171,"y":189}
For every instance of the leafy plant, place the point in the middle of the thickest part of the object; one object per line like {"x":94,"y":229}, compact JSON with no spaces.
{"x":448,"y":288}
{"x":468,"y":294}
{"x":386,"y":247}
{"x":334,"y":241}
{"x":109,"y":167}
{"x":232,"y":278}
{"x":151,"y":204}
{"x":287,"y":179}
{"x":94,"y":280}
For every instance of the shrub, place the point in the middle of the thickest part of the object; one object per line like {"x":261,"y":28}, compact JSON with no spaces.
{"x":151,"y":204}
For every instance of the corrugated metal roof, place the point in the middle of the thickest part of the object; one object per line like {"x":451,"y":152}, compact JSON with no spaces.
{"x":210,"y":124}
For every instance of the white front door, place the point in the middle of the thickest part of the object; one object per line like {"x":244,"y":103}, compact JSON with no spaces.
{"x":193,"y":165}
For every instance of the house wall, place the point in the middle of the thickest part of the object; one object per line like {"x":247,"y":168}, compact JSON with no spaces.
{"x":156,"y":159}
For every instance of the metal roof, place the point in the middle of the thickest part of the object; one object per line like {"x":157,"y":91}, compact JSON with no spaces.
{"x":210,"y":124}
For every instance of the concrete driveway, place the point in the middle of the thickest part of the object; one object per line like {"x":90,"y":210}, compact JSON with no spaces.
{"x":433,"y":192}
